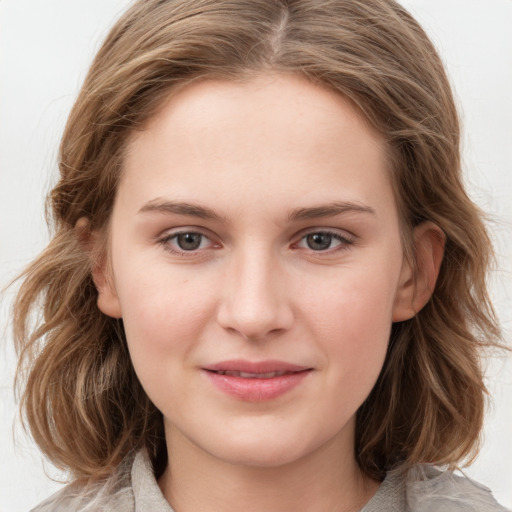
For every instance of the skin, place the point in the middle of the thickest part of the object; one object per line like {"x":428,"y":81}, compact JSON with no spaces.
{"x":261,"y":156}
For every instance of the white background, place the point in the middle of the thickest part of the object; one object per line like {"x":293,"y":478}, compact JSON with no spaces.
{"x":45,"y":49}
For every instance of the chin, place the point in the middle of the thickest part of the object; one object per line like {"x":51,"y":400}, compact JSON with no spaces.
{"x":260,"y":449}
{"x":261,"y":455}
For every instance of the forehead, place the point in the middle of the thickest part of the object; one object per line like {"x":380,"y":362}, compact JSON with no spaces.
{"x":274,"y":135}
{"x":266,"y":103}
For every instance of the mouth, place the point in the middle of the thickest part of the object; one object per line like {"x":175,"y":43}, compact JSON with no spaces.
{"x":256,"y":381}
{"x":255,"y":369}
{"x":247,"y":375}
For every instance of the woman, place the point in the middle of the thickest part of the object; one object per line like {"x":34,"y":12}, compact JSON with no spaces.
{"x":334,"y":123}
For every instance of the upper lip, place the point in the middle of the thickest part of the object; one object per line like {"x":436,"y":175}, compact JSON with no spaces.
{"x":240,"y":365}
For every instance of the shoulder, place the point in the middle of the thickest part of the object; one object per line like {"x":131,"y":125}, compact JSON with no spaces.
{"x":131,"y":488}
{"x":93,"y":498}
{"x":113,"y":494}
{"x":429,"y":489}
{"x":425,"y":488}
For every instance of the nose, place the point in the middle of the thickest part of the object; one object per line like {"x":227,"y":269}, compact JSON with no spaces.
{"x":255,"y":302}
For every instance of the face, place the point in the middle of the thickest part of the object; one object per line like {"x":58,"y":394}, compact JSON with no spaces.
{"x":257,"y":266}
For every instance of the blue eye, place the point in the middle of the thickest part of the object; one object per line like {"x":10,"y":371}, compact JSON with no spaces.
{"x":323,"y":241}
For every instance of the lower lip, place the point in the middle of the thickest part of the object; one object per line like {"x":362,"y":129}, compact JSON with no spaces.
{"x":256,"y":390}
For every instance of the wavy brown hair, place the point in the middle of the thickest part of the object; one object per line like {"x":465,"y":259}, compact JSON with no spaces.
{"x":81,"y":398}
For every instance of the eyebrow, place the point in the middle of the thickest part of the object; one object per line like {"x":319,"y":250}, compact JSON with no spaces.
{"x":180,"y":208}
{"x":298,"y":214}
{"x":329,"y":210}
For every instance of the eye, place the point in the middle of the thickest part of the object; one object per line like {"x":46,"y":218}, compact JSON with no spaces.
{"x":324,"y":241}
{"x":189,"y":241}
{"x":186,"y":241}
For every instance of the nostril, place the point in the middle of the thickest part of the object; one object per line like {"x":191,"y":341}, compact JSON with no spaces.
{"x":253,"y":325}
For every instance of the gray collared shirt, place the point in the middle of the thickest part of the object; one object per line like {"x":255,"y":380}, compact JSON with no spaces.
{"x":423,"y":489}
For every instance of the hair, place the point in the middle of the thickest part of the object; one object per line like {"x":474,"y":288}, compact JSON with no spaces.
{"x":81,"y":398}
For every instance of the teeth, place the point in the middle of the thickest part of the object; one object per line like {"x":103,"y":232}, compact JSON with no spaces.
{"x":246,"y":375}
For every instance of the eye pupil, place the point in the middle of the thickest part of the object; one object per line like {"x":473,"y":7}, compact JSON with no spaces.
{"x":189,"y":241}
{"x":319,"y":241}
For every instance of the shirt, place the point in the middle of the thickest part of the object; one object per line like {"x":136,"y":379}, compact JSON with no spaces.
{"x":424,"y":488}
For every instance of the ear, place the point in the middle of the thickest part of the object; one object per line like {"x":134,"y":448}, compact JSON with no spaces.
{"x":417,"y":283}
{"x":95,"y":245}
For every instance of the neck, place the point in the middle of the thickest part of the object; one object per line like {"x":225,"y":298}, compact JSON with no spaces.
{"x":328,"y":479}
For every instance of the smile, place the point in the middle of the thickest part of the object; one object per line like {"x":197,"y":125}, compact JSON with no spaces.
{"x":246,"y":375}
{"x":255,"y":382}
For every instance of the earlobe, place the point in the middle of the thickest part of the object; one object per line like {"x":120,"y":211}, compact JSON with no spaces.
{"x":108,"y":301}
{"x":417,"y":282}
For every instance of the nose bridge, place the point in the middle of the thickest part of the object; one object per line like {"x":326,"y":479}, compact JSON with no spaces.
{"x":256,"y":301}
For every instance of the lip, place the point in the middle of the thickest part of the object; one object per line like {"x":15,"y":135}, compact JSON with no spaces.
{"x":254,"y":388}
{"x":241,"y":365}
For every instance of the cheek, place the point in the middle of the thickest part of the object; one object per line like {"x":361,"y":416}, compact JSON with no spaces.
{"x":163,"y":316}
{"x":163,"y":326}
{"x":353,"y":324}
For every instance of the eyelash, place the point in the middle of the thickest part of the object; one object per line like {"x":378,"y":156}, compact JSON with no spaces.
{"x":165,"y":241}
{"x":345,"y":242}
